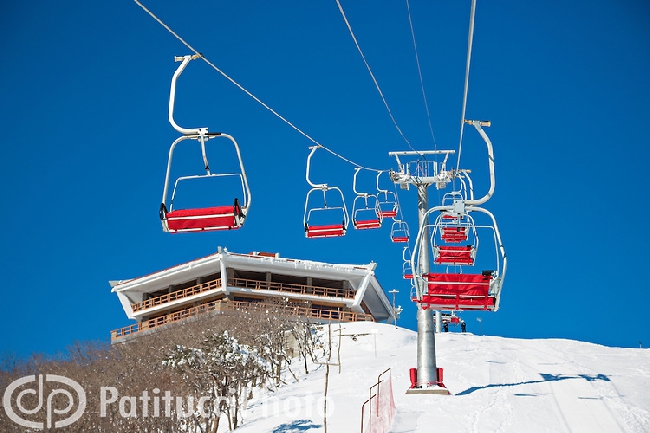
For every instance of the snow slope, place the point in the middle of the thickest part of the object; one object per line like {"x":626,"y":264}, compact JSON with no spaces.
{"x":498,"y":385}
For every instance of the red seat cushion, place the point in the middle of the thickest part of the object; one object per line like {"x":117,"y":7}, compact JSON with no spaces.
{"x":458,"y":292}
{"x":459,"y":283}
{"x":461,"y":255}
{"x":202,"y":219}
{"x":388,"y":213}
{"x":457,"y":303}
{"x":325,"y":231}
{"x":367,"y":224}
{"x":454,"y":234}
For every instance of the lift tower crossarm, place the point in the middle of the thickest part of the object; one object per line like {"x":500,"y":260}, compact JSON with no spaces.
{"x":403,"y":177}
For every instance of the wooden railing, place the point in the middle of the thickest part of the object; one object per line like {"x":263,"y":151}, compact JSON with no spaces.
{"x":302,"y":289}
{"x":179,"y":294}
{"x":243,"y":283}
{"x":226,"y":305}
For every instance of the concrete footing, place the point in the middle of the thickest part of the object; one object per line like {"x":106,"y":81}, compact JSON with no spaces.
{"x":430,"y":390}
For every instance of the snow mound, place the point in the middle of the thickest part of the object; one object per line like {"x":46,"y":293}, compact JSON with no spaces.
{"x":497,"y":385}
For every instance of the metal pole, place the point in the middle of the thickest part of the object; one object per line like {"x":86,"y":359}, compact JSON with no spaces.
{"x":426,"y":351}
{"x":394,"y":291}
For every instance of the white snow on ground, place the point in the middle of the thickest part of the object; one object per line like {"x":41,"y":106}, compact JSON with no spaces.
{"x":497,"y":385}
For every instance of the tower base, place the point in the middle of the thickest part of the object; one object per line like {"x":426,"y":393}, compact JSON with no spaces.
{"x":430,"y":390}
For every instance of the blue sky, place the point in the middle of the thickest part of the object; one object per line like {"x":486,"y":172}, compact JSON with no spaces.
{"x":85,"y":142}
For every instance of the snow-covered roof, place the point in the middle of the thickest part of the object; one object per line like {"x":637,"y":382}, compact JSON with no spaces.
{"x":362,"y":278}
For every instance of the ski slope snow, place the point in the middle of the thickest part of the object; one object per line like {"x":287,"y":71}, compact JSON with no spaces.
{"x":497,"y":385}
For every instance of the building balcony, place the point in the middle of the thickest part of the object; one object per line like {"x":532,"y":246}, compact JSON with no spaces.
{"x":303,"y":291}
{"x":316,"y":313}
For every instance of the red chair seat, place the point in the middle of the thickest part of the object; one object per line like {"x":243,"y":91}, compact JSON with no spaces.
{"x":458,"y":292}
{"x":325,"y":231}
{"x":367,"y":224}
{"x":454,"y":255}
{"x":388,"y":213}
{"x":400,"y":239}
{"x":202,"y":219}
{"x":454,"y":234}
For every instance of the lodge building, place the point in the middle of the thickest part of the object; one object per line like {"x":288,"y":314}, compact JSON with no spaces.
{"x":225,"y":281}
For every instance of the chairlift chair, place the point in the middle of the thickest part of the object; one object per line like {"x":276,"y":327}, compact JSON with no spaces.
{"x":325,"y":220}
{"x":221,"y":216}
{"x":365,"y":215}
{"x":387,"y":201}
{"x":459,"y":292}
{"x":451,"y":228}
{"x":337,"y":214}
{"x":447,"y":286}
{"x":407,"y":271}
{"x":365,"y":208}
{"x":399,"y":232}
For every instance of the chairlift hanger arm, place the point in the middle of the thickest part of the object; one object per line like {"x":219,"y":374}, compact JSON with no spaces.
{"x":354,"y":184}
{"x":469,"y":185}
{"x":379,"y":190}
{"x":172,"y":97}
{"x":322,"y":186}
{"x":478,"y":124}
{"x":386,"y":193}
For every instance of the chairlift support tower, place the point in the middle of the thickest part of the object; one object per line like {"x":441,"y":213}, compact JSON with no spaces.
{"x":427,"y":173}
{"x":427,"y":372}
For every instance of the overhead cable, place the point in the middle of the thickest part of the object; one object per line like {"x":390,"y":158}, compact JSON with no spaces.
{"x":470,"y":39}
{"x":417,"y":60}
{"x":356,"y":43}
{"x":243,"y":89}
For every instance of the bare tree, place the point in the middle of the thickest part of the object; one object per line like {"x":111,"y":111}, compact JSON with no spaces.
{"x":214,"y":361}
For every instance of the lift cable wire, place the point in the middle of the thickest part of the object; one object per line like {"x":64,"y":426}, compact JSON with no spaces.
{"x":417,"y":61}
{"x":349,"y":161}
{"x":390,"y":113}
{"x":243,"y":89}
{"x":470,"y":39}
